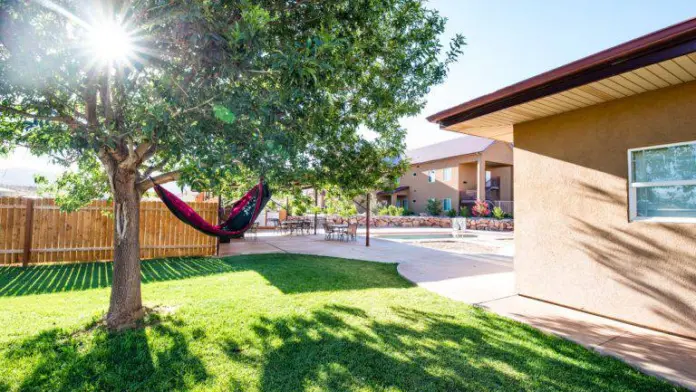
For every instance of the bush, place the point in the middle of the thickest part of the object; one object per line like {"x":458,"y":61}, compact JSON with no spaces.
{"x":409,"y":213}
{"x":452,"y":213}
{"x":434,"y":207}
{"x":498,"y":213}
{"x":464,"y":212}
{"x":391,"y":211}
{"x":481,"y":209}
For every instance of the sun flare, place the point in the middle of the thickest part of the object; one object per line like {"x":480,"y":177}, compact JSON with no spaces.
{"x":110,"y":43}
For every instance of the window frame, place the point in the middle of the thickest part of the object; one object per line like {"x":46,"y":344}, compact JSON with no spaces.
{"x":633,"y":188}
{"x":443,"y":204}
{"x":434,"y":173}
{"x":446,"y":177}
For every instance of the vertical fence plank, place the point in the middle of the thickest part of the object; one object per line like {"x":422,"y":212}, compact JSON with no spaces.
{"x":28,"y":222}
{"x":35,"y":231}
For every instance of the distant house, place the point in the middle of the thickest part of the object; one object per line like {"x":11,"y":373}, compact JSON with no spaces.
{"x":604,"y":179}
{"x":455,"y":172}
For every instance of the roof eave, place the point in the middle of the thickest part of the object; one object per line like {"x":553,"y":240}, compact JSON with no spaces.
{"x":664,"y":44}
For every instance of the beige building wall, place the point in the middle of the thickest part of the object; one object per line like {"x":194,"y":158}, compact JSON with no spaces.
{"x":463,"y":177}
{"x":575,"y":245}
{"x":420,"y":190}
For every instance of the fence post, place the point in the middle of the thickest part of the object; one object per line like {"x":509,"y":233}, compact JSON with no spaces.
{"x":28,"y":228}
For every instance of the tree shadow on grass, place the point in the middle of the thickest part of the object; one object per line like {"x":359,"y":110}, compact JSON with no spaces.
{"x":341,"y":348}
{"x":289,"y":273}
{"x":99,"y":361}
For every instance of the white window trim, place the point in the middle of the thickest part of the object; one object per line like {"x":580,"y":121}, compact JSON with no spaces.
{"x":445,"y":177}
{"x":633,"y":188}
{"x":434,"y":173}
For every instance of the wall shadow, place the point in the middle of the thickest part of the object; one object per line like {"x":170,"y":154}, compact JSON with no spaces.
{"x":288,"y":272}
{"x":112,"y":361}
{"x":662,"y":279}
{"x":340,"y":348}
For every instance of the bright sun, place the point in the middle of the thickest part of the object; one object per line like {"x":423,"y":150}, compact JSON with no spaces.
{"x":111,"y":43}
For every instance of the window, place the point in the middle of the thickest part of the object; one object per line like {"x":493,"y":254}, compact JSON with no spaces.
{"x":662,"y":183}
{"x":447,"y":174}
{"x":431,"y":176}
{"x":447,"y":204}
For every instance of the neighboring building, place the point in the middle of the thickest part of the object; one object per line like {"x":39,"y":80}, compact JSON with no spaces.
{"x":456,"y":172}
{"x":604,"y":178}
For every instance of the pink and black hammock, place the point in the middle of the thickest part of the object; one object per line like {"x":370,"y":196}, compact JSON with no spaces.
{"x":244,"y":212}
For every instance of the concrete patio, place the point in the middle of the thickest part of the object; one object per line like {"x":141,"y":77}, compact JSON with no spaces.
{"x":487,"y":280}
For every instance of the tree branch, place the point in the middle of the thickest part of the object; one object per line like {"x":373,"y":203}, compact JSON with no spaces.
{"x":63,"y":119}
{"x":161,"y":179}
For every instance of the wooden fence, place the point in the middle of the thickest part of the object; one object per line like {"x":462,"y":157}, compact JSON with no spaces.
{"x":36,"y":230}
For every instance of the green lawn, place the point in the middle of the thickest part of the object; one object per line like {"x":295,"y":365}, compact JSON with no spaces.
{"x":278,"y":323}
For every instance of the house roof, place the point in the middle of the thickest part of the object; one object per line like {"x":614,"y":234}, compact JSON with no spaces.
{"x":660,"y":59}
{"x":396,"y":190}
{"x":450,"y":148}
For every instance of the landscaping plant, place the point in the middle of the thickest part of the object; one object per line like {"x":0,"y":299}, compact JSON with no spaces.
{"x":434,"y":207}
{"x":464,"y":211}
{"x":212,"y":94}
{"x":481,"y":209}
{"x":452,"y":213}
{"x":498,"y":213}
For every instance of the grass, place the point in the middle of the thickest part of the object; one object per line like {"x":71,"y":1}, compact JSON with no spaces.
{"x":278,"y":323}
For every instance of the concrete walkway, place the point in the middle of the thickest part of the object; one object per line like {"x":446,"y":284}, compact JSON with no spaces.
{"x":487,"y":280}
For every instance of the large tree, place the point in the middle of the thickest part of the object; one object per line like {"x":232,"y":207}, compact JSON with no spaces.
{"x":210,"y":93}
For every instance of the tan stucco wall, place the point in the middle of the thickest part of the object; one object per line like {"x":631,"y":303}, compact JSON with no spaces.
{"x":421,"y":190}
{"x":574,"y":243}
{"x":463,"y":170}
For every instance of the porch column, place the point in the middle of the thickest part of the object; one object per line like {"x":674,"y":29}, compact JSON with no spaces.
{"x":480,"y":178}
{"x":393,"y":199}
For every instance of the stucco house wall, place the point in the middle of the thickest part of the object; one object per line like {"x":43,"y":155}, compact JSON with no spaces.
{"x":463,"y":177}
{"x":420,"y":190}
{"x":571,"y":189}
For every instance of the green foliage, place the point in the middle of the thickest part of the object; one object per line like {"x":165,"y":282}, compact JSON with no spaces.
{"x":434,"y":207}
{"x":391,"y":210}
{"x":74,"y":189}
{"x":464,"y":212}
{"x":339,"y":204}
{"x":498,"y":213}
{"x":452,"y":213}
{"x":223,"y":92}
{"x":300,"y":204}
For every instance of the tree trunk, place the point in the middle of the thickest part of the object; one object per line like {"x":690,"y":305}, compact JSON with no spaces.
{"x":125,"y":306}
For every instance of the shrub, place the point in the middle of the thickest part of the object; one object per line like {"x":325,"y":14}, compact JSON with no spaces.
{"x":481,"y":209}
{"x":464,"y":212}
{"x":434,"y":207}
{"x":452,"y":213}
{"x":390,"y":211}
{"x":409,"y":213}
{"x":498,"y":213}
{"x":395,"y":211}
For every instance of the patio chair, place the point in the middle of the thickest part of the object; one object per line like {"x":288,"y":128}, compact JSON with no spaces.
{"x":351,"y":233}
{"x":328,"y":231}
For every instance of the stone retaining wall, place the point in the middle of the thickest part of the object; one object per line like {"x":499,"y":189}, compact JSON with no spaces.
{"x":424,"y":221}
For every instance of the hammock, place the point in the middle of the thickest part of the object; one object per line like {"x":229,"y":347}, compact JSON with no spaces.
{"x":244,"y":212}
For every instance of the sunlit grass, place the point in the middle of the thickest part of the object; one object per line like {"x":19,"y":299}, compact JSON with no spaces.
{"x":279,"y":323}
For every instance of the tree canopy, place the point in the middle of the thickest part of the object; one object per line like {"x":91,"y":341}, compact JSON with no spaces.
{"x":215,"y":92}
{"x":212,"y":93}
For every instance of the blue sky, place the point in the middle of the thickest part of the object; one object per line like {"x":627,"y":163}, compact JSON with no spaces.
{"x":507,"y":41}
